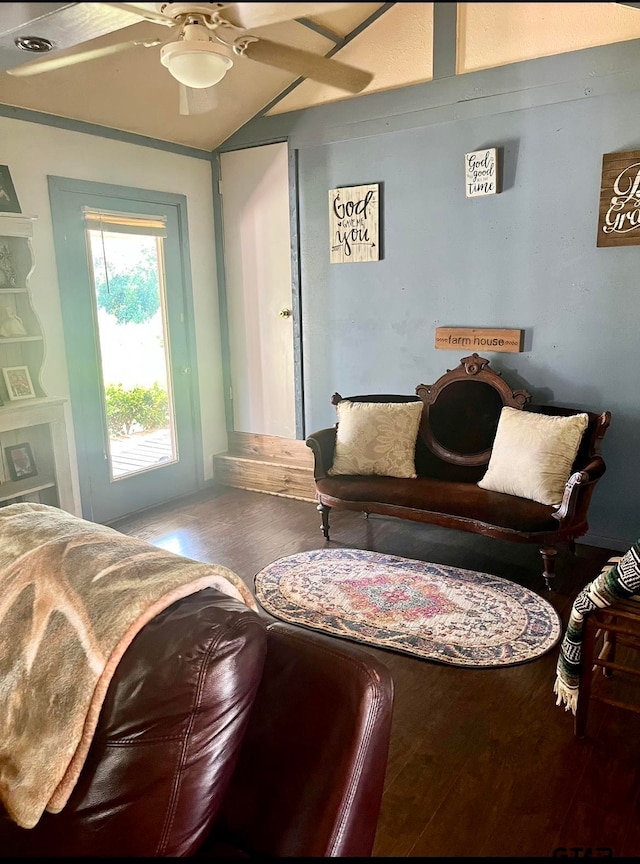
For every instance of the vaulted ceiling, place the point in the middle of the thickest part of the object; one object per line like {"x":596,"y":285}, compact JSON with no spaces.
{"x":132,"y":91}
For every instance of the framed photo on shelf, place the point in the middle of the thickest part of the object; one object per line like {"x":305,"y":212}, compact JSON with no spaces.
{"x":8,"y":198}
{"x":20,"y":461}
{"x":18,"y":381}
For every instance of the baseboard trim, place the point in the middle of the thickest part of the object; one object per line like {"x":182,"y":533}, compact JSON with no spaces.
{"x":614,"y":543}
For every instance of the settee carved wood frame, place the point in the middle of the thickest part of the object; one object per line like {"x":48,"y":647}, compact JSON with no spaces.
{"x":476,"y":368}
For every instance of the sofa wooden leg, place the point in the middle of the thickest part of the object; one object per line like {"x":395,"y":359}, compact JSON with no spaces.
{"x":324,"y":512}
{"x":549,"y":558}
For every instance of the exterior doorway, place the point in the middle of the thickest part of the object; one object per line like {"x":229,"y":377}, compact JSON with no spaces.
{"x":128,"y":336}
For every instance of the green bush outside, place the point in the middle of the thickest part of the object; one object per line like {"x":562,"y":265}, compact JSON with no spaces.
{"x":146,"y":407}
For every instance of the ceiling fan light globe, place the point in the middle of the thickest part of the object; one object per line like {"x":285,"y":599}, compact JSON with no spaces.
{"x":195,"y":64}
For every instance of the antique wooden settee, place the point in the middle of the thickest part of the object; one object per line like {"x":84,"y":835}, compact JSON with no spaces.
{"x":458,"y":424}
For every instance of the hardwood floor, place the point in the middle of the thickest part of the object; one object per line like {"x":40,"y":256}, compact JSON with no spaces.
{"x":482,"y":762}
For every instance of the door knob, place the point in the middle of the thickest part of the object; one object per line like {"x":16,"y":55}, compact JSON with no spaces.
{"x":284,"y":312}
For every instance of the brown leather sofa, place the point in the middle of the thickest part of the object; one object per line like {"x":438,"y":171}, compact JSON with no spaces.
{"x":222,"y":736}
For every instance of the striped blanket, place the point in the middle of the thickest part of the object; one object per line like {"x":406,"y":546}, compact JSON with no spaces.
{"x":619,"y":579}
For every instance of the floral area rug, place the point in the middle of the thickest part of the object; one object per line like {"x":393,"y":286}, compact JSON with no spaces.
{"x":439,"y":613}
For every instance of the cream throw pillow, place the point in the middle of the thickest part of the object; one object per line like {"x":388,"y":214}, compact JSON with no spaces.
{"x":533,"y":454}
{"x":376,"y":438}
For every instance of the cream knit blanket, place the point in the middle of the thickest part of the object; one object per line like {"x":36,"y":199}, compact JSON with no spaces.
{"x":73,"y":594}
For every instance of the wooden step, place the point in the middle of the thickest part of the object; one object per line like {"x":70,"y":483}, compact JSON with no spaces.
{"x":263,"y":463}
{"x":285,"y":451}
{"x":261,"y":475}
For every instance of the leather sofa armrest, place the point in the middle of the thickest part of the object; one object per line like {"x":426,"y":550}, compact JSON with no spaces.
{"x":576,"y":487}
{"x":170,"y":731}
{"x":323,"y":445}
{"x":311,"y":772}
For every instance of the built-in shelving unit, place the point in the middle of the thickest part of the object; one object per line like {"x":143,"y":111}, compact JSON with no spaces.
{"x":21,"y":337}
{"x":33,"y":425}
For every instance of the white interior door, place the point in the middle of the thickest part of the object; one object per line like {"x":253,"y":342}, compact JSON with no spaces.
{"x":257,"y":255}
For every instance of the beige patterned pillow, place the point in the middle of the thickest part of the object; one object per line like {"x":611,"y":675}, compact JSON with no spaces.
{"x":376,"y":438}
{"x":533,"y":454}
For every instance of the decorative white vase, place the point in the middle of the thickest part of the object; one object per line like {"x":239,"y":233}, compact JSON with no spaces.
{"x":12,"y":326}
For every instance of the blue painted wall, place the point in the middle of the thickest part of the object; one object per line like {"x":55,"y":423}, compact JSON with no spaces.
{"x":525,"y":258}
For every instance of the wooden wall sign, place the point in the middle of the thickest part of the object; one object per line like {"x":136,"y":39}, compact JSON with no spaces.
{"x":353,"y":224}
{"x":479,"y":339}
{"x":481,"y":172}
{"x":619,"y":216}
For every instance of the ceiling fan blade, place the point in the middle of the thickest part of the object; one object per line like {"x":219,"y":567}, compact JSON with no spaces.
{"x":144,"y":13}
{"x":308,"y":65}
{"x":72,"y":59}
{"x":197,"y":101}
{"x":250,"y":15}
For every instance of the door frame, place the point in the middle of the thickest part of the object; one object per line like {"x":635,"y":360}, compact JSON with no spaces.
{"x":58,"y":187}
{"x":296,"y":295}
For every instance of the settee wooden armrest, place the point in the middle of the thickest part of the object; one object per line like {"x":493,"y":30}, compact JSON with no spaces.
{"x":578,"y":490}
{"x":459,"y":420}
{"x":593,"y":470}
{"x":323,"y":446}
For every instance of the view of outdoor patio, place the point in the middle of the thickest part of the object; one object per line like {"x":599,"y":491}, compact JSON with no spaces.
{"x":127,"y":272}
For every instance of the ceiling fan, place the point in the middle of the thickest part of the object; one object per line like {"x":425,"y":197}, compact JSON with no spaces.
{"x":210,"y":37}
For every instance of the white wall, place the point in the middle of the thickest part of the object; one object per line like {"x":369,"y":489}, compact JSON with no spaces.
{"x":32,"y":152}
